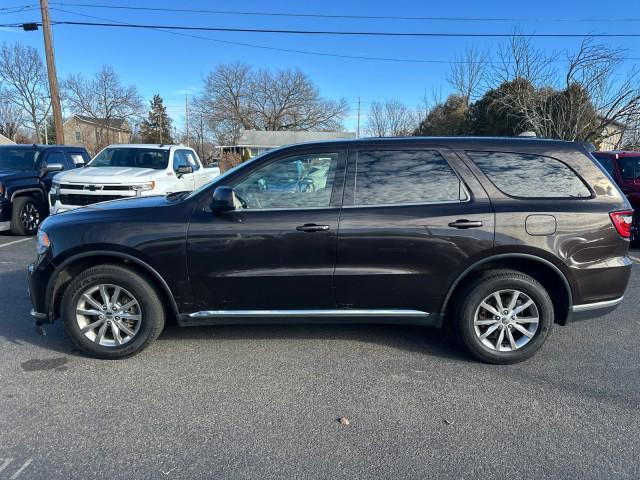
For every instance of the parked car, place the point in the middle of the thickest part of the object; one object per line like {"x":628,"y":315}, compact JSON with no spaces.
{"x":124,"y":171}
{"x":498,"y":238}
{"x":26,"y":172}
{"x":624,"y":168}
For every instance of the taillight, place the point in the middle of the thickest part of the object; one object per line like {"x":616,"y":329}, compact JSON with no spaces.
{"x":622,"y":221}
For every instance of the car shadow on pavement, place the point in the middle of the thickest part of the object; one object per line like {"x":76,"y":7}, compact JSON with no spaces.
{"x":423,"y":340}
{"x":16,"y":324}
{"x":17,"y":327}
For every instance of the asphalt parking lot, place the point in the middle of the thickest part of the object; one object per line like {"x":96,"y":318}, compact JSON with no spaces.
{"x":263,"y":402}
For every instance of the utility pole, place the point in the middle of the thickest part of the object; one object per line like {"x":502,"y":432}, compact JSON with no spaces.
{"x":51,"y":71}
{"x":358,"y":133}
{"x":160,"y":122}
{"x":186,"y":111}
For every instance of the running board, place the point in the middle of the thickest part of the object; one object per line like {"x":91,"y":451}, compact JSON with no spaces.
{"x":231,"y":317}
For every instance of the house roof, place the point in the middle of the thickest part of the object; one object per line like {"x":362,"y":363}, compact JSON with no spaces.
{"x":5,"y":141}
{"x":114,"y":123}
{"x":268,"y":138}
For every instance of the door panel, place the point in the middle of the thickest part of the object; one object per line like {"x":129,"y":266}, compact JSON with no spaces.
{"x":407,"y":255}
{"x":267,"y":256}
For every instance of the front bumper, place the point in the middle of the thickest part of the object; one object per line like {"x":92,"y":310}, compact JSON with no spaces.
{"x":38,"y":275}
{"x":5,"y":214}
{"x":594,"y":310}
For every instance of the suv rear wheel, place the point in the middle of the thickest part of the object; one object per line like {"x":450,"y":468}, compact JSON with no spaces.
{"x":112,"y":312}
{"x":504,"y":316}
{"x":25,"y":216}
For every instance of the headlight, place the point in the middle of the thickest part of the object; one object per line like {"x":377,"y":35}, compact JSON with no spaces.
{"x":143,"y":187}
{"x":55,"y":187}
{"x":43,"y":241}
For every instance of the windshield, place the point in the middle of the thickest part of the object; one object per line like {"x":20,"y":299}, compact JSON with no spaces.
{"x":18,"y":158}
{"x":132,"y":157}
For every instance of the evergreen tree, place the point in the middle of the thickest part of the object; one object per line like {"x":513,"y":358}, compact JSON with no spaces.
{"x":157,"y":127}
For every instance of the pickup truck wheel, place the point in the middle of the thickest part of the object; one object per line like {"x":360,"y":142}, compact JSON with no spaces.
{"x":25,"y":216}
{"x":504,"y":317}
{"x":112,"y":312}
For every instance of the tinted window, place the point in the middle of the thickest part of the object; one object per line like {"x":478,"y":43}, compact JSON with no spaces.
{"x":301,"y":181}
{"x":132,"y":157}
{"x":387,"y":177}
{"x":607,"y":163}
{"x":18,"y":158}
{"x":629,"y":168}
{"x":530,"y":176}
{"x":57,"y":157}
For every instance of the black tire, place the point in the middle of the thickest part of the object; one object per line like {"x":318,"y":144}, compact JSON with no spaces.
{"x":152,"y":313}
{"x":26,"y":215}
{"x":468,"y":303}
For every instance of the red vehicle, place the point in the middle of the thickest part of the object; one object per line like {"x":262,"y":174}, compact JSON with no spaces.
{"x":624,"y":168}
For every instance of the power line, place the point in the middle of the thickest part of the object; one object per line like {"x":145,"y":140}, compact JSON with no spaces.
{"x":350,"y":17}
{"x":349,"y":33}
{"x":289,"y":50}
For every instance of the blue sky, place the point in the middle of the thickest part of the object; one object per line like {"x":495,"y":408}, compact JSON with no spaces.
{"x":172,"y":65}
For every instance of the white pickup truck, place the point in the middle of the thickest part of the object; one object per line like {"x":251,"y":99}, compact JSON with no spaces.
{"x":125,"y":171}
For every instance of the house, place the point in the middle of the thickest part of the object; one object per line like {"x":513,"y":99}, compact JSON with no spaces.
{"x":254,"y":142}
{"x":95,"y":133}
{"x":5,"y":141}
{"x":612,"y":137}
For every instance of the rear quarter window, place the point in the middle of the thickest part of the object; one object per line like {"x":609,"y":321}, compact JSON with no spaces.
{"x":530,"y":176}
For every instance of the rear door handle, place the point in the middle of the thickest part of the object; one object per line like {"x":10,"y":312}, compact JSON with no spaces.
{"x":466,"y":224}
{"x":312,"y":227}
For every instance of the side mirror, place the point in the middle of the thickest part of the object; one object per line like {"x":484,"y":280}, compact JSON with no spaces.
{"x":52,"y":167}
{"x":183,"y":169}
{"x":224,"y":199}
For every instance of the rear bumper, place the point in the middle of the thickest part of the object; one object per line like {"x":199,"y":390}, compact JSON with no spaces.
{"x":586,"y":311}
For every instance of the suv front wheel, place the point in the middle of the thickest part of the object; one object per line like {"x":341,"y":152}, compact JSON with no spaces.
{"x":504,"y":316}
{"x":112,"y":312}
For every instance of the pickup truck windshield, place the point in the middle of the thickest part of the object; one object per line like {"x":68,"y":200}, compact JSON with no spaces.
{"x":18,"y":158}
{"x":132,"y":158}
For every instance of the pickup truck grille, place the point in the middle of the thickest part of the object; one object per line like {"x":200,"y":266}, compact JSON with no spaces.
{"x":82,"y":200}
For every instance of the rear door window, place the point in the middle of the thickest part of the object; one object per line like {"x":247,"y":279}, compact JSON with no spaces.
{"x":396,"y":177}
{"x":530,"y":176}
{"x":629,"y":168}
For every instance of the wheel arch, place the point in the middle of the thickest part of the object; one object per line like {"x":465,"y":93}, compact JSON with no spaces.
{"x":38,"y":193}
{"x":548,"y":274}
{"x":66,"y":271}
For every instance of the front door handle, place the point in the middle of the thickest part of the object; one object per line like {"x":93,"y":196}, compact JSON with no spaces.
{"x":312,"y":227}
{"x":466,"y":224}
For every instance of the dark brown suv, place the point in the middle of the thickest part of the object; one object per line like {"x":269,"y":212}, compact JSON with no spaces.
{"x":498,"y":238}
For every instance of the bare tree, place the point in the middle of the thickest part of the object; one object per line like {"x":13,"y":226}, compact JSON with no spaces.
{"x":393,"y":118}
{"x":235,"y":97}
{"x":25,"y":78}
{"x":11,"y":116}
{"x":468,"y":73}
{"x":102,"y":97}
{"x":580,"y":102}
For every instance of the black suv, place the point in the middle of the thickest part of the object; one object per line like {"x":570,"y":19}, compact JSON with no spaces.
{"x":497,"y":238}
{"x":26,"y":172}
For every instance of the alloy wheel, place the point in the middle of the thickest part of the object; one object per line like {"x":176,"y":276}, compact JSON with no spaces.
{"x":506,"y":320}
{"x":30,"y":217}
{"x":108,"y":315}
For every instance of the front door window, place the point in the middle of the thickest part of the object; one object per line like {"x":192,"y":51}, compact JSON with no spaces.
{"x":300,"y":181}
